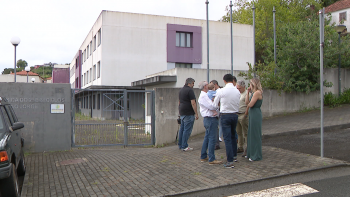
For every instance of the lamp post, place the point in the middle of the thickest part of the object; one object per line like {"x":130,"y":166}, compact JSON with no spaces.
{"x":253,"y":8}
{"x":33,"y":80}
{"x":15,"y":42}
{"x":231,"y":38}
{"x":339,"y":29}
{"x":274,"y":37}
{"x":27,"y":69}
{"x":207,"y":2}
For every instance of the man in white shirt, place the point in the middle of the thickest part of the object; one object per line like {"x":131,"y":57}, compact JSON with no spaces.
{"x":229,"y":97}
{"x":210,"y":120}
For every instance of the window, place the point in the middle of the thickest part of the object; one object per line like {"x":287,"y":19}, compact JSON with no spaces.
{"x":94,"y":72}
{"x":90,"y":47}
{"x":99,"y":37}
{"x":98,"y":69}
{"x":87,"y":50}
{"x":183,"y":39}
{"x":183,"y":65}
{"x":84,"y":55}
{"x":7,"y":120}
{"x":94,"y":42}
{"x":84,"y":78}
{"x":342,"y":17}
{"x":90,"y":74}
{"x":87,"y":76}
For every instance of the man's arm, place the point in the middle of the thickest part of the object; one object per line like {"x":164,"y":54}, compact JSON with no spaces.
{"x":194,"y":106}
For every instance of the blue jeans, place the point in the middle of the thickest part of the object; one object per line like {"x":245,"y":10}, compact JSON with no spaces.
{"x":229,"y":123}
{"x":211,"y":130}
{"x":185,"y":131}
{"x":220,"y":129}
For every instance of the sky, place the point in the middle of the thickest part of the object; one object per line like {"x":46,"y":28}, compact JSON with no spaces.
{"x":53,"y":30}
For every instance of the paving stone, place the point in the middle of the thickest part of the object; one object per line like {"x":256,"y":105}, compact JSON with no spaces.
{"x":165,"y":171}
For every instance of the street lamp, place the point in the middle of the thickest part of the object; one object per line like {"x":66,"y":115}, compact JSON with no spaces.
{"x":33,"y":80}
{"x":339,"y":29}
{"x":27,"y":69}
{"x":15,"y":41}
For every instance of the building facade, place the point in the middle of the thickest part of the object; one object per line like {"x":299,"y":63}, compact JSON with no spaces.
{"x":123,"y":47}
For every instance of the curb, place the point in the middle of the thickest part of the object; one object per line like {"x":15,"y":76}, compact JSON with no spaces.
{"x":263,"y":179}
{"x":306,"y":131}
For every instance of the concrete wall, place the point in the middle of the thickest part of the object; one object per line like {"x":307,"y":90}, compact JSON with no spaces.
{"x":166,"y":109}
{"x":331,"y":75}
{"x":43,"y":131}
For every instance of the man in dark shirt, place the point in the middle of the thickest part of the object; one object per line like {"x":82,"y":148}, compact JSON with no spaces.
{"x":188,"y":113}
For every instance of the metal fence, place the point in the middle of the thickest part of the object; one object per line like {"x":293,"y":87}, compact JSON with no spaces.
{"x":102,"y":117}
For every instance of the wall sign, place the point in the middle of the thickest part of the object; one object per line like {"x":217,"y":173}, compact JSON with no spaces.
{"x":57,"y":108}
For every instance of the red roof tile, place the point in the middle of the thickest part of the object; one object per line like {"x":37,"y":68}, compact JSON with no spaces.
{"x":23,"y":72}
{"x":339,"y":5}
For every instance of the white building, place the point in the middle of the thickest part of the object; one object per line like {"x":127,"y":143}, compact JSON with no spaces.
{"x":123,"y":47}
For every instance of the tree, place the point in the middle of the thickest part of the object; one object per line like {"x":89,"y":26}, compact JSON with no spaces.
{"x":298,"y":57}
{"x":21,"y":63}
{"x":287,"y":11}
{"x":326,"y":3}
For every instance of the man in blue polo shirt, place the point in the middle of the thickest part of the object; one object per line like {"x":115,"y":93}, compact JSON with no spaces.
{"x":188,"y":113}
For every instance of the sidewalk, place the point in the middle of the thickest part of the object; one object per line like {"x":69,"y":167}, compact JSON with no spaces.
{"x":117,"y":171}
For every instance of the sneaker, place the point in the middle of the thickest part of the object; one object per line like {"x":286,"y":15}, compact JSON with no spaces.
{"x":250,"y":159}
{"x":240,"y":150}
{"x":205,"y":160}
{"x":229,"y":165}
{"x":188,"y":149}
{"x":215,"y":162}
{"x":235,"y":159}
{"x":217,"y":147}
{"x":220,"y":139}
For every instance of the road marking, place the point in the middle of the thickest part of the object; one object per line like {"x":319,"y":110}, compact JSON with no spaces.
{"x":295,"y":189}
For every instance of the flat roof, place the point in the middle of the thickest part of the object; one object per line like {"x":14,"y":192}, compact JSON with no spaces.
{"x":159,"y":79}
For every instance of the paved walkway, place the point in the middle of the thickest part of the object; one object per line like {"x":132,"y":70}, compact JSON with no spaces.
{"x":131,"y":171}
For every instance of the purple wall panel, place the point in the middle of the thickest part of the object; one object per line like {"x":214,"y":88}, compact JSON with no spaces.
{"x":182,"y":54}
{"x":60,"y":75}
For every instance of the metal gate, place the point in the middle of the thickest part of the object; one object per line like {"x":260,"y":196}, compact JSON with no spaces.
{"x":104,"y":117}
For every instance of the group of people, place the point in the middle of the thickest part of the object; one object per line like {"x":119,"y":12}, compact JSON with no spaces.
{"x":232,"y":112}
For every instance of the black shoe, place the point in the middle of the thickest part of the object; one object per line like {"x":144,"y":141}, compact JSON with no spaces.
{"x":240,"y":150}
{"x":217,"y":147}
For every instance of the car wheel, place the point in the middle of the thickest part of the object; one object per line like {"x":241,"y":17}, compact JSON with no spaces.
{"x":9,"y":186}
{"x":21,"y":170}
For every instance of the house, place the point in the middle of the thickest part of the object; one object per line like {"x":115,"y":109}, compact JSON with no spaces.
{"x":340,"y":11}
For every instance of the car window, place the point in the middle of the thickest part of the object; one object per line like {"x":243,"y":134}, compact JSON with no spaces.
{"x":2,"y":127}
{"x":12,"y":112}
{"x":7,"y":107}
{"x":6,"y":117}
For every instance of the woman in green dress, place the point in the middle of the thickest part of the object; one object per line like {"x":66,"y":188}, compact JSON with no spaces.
{"x":254,"y":101}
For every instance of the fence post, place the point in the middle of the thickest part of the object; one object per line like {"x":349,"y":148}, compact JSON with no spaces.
{"x":73,"y":117}
{"x":153,"y":118}
{"x":125,"y":114}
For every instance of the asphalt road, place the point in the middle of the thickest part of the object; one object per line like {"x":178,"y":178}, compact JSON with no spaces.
{"x":336,"y":144}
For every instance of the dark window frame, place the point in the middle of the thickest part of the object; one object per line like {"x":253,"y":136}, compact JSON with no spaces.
{"x":178,"y":42}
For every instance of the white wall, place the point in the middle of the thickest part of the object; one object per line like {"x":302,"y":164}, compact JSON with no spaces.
{"x":197,"y":74}
{"x":19,"y":78}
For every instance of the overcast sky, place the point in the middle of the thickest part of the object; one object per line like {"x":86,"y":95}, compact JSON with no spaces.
{"x":53,"y":30}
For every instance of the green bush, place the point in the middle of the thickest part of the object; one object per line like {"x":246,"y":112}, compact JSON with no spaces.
{"x":333,"y":100}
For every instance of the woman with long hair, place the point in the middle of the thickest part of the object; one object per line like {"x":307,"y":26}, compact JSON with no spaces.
{"x":254,"y":101}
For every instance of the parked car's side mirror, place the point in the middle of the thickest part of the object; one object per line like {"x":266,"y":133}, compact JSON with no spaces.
{"x":17,"y":125}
